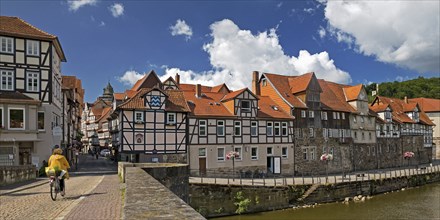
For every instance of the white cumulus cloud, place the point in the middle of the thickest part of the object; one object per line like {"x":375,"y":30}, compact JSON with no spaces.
{"x":181,"y":28}
{"x":404,"y":33}
{"x":234,"y":53}
{"x":117,"y":9}
{"x":130,"y":77}
{"x":74,"y":5}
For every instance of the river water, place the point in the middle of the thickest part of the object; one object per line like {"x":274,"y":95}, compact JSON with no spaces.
{"x":416,"y":203}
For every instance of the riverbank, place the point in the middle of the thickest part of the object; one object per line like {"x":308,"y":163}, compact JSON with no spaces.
{"x":213,"y":200}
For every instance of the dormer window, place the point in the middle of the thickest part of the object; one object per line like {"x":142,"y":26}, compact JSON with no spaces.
{"x":264,"y":82}
{"x":416,"y":116}
{"x":388,"y":115}
{"x":245,"y":105}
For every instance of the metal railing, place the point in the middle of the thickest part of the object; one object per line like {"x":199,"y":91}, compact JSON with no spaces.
{"x":264,"y":179}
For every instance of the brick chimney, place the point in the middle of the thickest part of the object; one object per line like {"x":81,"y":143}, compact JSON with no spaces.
{"x":255,"y":86}
{"x":177,"y":78}
{"x":198,"y":90}
{"x":406,"y":100}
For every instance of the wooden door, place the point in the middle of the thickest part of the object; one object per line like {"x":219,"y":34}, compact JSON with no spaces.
{"x":202,"y":166}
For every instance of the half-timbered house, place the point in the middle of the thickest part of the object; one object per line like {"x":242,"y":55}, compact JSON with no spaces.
{"x":403,"y":127}
{"x":223,"y":121}
{"x":30,"y":68}
{"x":153,"y":123}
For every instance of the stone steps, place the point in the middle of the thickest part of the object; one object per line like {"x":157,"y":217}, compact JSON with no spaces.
{"x":308,"y":192}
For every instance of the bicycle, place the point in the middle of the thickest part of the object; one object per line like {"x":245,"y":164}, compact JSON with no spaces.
{"x":54,"y":183}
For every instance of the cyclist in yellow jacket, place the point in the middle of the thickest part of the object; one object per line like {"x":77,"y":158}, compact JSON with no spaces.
{"x":59,"y":163}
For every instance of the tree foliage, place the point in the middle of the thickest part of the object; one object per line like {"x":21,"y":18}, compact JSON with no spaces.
{"x":415,"y":88}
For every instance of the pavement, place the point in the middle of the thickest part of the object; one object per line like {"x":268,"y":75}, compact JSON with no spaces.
{"x":92,"y":192}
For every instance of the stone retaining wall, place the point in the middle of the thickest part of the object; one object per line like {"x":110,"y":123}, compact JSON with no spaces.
{"x":15,"y":174}
{"x":147,"y":198}
{"x":213,"y":200}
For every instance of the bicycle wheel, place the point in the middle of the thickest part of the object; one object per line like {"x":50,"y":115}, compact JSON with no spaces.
{"x":54,"y":189}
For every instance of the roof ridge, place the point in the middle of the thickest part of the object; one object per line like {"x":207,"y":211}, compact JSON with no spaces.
{"x":37,"y":29}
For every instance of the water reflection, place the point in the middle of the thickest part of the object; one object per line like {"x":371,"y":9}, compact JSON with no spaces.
{"x":417,"y":203}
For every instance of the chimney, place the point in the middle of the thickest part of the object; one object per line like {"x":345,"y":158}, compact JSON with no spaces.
{"x":198,"y":90}
{"x":177,"y":78}
{"x":255,"y":86}
{"x":406,"y":100}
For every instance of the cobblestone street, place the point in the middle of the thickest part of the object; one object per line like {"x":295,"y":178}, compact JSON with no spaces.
{"x":91,"y":193}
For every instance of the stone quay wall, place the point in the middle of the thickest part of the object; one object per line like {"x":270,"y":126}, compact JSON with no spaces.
{"x":147,"y":198}
{"x":15,"y":174}
{"x":213,"y":200}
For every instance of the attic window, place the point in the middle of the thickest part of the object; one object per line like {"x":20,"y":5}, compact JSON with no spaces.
{"x":210,"y":103}
{"x":217,"y":103}
{"x":264,"y":82}
{"x":245,"y":105}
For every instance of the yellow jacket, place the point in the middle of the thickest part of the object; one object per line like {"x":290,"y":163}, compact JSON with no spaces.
{"x":58,"y":163}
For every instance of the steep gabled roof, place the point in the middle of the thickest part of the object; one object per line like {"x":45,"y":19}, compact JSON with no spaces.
{"x":427,"y":105}
{"x":147,"y":81}
{"x":207,"y":105}
{"x":104,"y":114}
{"x":219,"y":87}
{"x":281,"y":84}
{"x":352,"y":92}
{"x":172,"y":80}
{"x":119,"y":96}
{"x":333,"y":98}
{"x":300,"y":83}
{"x":234,"y":94}
{"x":14,"y":26}
{"x":175,"y":100}
{"x":269,"y":109}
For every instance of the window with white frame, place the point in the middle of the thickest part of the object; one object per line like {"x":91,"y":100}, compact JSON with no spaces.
{"x":332,"y":152}
{"x":269,"y":151}
{"x":138,"y":117}
{"x":32,"y":81}
{"x":277,"y":129}
{"x":1,"y":118}
{"x":6,"y":45}
{"x":269,"y":129}
{"x":6,"y":80}
{"x":303,"y":113}
{"x":16,"y":118}
{"x":202,"y":127}
{"x":312,"y":153}
{"x":254,"y":128}
{"x":171,"y":118}
{"x":338,"y":114}
{"x":40,"y":120}
{"x":343,"y":115}
{"x":311,"y":132}
{"x":324,"y":132}
{"x":305,"y":150}
{"x":311,"y":114}
{"x":220,"y":154}
{"x":245,"y":105}
{"x":221,"y":128}
{"x":324,"y":116}
{"x":237,"y":128}
{"x":33,"y":47}
{"x":254,"y":153}
{"x":284,"y":152}
{"x":202,"y":152}
{"x":284,"y":129}
{"x":238,"y":149}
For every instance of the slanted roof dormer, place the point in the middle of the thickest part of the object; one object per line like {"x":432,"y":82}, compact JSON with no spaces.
{"x":242,"y":103}
{"x":170,"y":84}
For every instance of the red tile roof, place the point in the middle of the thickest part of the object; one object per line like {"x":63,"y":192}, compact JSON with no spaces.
{"x":427,"y":104}
{"x":352,"y":92}
{"x":281,"y":83}
{"x":119,"y":96}
{"x":175,"y":100}
{"x":333,"y":98}
{"x":300,"y":83}
{"x":269,"y":109}
{"x":14,"y":26}
{"x":208,"y":105}
{"x":234,"y":94}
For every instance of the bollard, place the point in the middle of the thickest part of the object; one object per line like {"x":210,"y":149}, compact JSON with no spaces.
{"x":302,"y":174}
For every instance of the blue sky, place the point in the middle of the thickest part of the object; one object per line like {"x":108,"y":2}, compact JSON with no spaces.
{"x":212,"y":42}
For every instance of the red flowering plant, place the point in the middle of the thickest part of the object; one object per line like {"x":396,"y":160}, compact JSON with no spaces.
{"x":408,"y":155}
{"x":232,"y":155}
{"x":326,"y":157}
